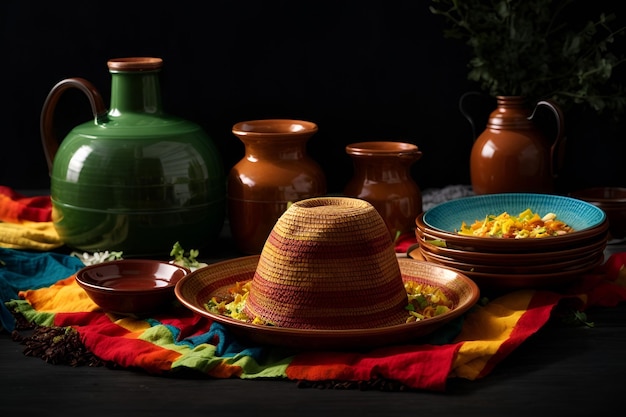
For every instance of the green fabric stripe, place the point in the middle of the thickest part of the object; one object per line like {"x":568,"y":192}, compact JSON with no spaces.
{"x":33,"y":316}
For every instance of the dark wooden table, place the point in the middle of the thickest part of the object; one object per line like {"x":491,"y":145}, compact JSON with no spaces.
{"x":561,"y":370}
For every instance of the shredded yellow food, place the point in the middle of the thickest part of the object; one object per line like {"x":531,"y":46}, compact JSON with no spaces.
{"x":526,"y":225}
{"x":424,"y":301}
{"x":233,"y":305}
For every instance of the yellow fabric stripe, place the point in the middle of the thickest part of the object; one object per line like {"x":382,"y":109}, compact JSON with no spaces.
{"x":484,"y":331}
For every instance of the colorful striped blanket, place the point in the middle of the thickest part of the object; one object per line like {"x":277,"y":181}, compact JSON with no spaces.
{"x":26,"y":222}
{"x":39,"y":287}
{"x":178,"y":340}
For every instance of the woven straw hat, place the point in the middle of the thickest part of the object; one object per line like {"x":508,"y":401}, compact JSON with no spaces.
{"x":328,"y":263}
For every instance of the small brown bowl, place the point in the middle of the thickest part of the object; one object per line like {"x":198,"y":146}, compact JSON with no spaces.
{"x":136,"y":287}
{"x":612,"y":200}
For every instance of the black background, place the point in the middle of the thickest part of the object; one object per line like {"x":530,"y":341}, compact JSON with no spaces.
{"x":361,"y":70}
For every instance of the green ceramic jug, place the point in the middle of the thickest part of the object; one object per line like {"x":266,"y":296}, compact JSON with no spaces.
{"x":134,"y":179}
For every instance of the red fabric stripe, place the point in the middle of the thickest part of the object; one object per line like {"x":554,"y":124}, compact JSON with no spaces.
{"x":189,"y":323}
{"x":15,"y":207}
{"x":424,"y":366}
{"x":605,"y":288}
{"x":404,"y":242}
{"x":114,"y":343}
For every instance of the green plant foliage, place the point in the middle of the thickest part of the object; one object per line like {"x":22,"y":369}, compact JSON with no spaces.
{"x":541,"y":49}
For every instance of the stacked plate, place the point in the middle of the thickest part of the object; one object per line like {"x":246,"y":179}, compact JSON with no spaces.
{"x":501,"y":263}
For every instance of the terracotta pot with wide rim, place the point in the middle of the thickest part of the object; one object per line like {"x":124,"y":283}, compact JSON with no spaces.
{"x":274,"y":172}
{"x":382,"y":177}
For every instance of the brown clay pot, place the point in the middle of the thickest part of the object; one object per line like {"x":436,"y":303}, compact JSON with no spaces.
{"x":382,"y":177}
{"x":513,"y":154}
{"x":275,"y":172}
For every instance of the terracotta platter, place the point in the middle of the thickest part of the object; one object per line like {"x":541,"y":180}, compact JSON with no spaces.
{"x":197,"y":288}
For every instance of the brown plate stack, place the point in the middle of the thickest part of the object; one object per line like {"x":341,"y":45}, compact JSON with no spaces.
{"x":501,"y":263}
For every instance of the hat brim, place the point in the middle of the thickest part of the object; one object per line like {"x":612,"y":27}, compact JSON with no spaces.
{"x":197,"y":288}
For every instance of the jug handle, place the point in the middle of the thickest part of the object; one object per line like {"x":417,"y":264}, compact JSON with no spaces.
{"x":484,"y":103}
{"x":48,"y":139}
{"x":557,"y":150}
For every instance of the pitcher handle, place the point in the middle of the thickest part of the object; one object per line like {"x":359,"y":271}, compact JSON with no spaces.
{"x":483,"y":104}
{"x":557,"y":150}
{"x":48,"y":138}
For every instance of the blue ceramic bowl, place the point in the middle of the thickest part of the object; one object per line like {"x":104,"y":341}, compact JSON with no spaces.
{"x":448,"y":216}
{"x":442,"y":221}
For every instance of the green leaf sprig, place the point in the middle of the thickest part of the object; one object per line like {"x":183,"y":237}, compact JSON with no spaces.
{"x":577,"y":318}
{"x":183,"y":258}
{"x":541,"y":49}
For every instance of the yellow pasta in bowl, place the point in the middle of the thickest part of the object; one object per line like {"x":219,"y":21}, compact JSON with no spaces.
{"x":527,"y":224}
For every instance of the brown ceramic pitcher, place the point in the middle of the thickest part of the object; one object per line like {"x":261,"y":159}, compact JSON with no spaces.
{"x":513,"y":154}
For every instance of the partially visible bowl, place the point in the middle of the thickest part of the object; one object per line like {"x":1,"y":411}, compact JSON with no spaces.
{"x":612,"y":200}
{"x":136,"y":287}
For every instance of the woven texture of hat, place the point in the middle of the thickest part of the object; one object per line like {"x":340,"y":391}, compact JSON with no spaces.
{"x":329,"y":264}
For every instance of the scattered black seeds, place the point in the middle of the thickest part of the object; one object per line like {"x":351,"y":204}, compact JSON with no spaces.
{"x":375,"y":384}
{"x":57,"y":346}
